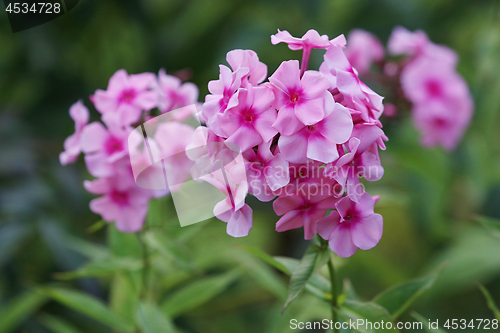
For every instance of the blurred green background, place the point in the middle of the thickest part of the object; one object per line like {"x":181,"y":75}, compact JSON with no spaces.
{"x":429,"y":197}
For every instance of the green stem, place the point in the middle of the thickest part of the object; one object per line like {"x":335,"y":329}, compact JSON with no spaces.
{"x":331,"y":270}
{"x":146,"y":266}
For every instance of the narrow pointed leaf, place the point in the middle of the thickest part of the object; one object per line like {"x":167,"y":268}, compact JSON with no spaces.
{"x":152,"y":320}
{"x":398,"y":298}
{"x":19,"y":309}
{"x":367,"y":311}
{"x":489,"y":300}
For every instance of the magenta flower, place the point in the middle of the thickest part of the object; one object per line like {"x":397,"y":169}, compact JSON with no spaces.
{"x":122,"y":201}
{"x":266,"y":172}
{"x":318,"y":141}
{"x":174,"y":94}
{"x":352,"y":226}
{"x":72,"y":146}
{"x":249,"y":122}
{"x":300,"y":101}
{"x":363,"y":49}
{"x":103,"y":148}
{"x":125,"y":98}
{"x":302,"y":211}
{"x":257,"y":71}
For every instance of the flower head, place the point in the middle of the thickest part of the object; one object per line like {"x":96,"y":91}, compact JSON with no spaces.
{"x":72,"y":146}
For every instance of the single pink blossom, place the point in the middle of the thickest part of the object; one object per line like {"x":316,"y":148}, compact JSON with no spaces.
{"x":257,"y":71}
{"x":266,"y":172}
{"x":72,"y":146}
{"x":300,"y":101}
{"x":318,"y":141}
{"x":126,"y":97}
{"x":174,"y":94}
{"x":352,"y":226}
{"x":231,"y":181}
{"x":221,"y":91}
{"x":302,"y":211}
{"x":249,"y":122}
{"x":103,"y":147}
{"x":122,"y":202}
{"x":363,"y":49}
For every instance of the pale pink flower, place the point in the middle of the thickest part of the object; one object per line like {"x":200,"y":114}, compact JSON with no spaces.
{"x":231,"y":181}
{"x":266,"y":172}
{"x":174,"y":94}
{"x":318,"y":141}
{"x":249,"y":122}
{"x":442,"y":105}
{"x":122,"y":201}
{"x":257,"y":71}
{"x":103,"y":147}
{"x":302,"y":211}
{"x":352,"y":226}
{"x":417,"y":44}
{"x":221,"y":91}
{"x":300,"y":101}
{"x":344,"y":79}
{"x":126,"y":97}
{"x":72,"y":147}
{"x":363,"y":49}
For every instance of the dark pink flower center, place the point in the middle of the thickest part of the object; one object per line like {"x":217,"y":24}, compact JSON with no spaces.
{"x":127,"y":96}
{"x":294,"y":97}
{"x":347,"y":217}
{"x":113,"y":145}
{"x":119,"y":197}
{"x":434,"y":89}
{"x":248,"y":116}
{"x":310,"y":128}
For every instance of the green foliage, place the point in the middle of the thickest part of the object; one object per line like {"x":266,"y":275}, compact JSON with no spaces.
{"x":152,"y":320}
{"x":367,"y":311}
{"x":19,"y":309}
{"x":489,"y":300}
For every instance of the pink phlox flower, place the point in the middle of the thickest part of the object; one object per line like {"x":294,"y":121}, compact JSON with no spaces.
{"x":311,"y":39}
{"x":249,"y":122}
{"x":417,"y":44}
{"x":302,"y":211}
{"x":173,"y":137}
{"x":300,"y":101}
{"x":174,"y":94}
{"x":318,"y":141}
{"x":266,"y":172}
{"x":126,"y":97}
{"x":353,"y":225}
{"x":121,"y":201}
{"x":103,"y":147}
{"x":442,"y":104}
{"x":221,"y":91}
{"x":257,"y":71}
{"x":363,"y":49}
{"x":72,"y":146}
{"x":231,"y":180}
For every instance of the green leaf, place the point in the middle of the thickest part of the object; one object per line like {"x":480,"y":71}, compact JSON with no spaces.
{"x":491,"y":224}
{"x":367,"y":311}
{"x":398,"y":298}
{"x":152,"y":320}
{"x":169,"y":249}
{"x":266,"y":258}
{"x":19,"y":309}
{"x":317,"y":281}
{"x":102,"y":268}
{"x":11,"y":239}
{"x":302,"y":273}
{"x":264,"y":275}
{"x":96,"y":226}
{"x":197,"y":293}
{"x":425,"y":324}
{"x":57,"y":325}
{"x":124,"y":244}
{"x":489,"y":300}
{"x":89,"y":306}
{"x":124,"y":295}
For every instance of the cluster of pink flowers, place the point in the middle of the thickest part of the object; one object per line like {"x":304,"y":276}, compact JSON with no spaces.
{"x":306,"y":137}
{"x":442,"y":106}
{"x":128,"y":100}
